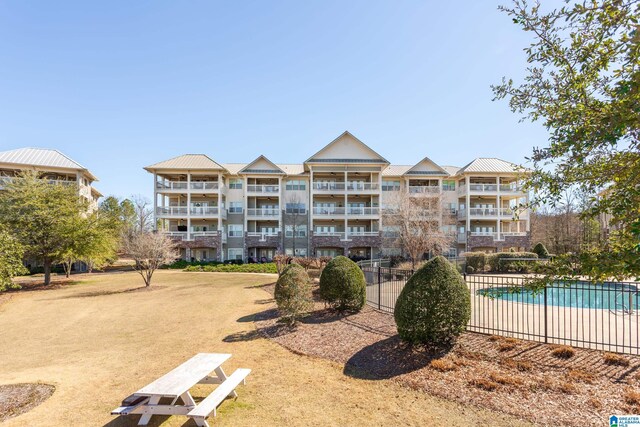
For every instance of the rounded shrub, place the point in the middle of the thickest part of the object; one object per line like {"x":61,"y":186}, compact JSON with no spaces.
{"x":342,"y":285}
{"x":293,"y":293}
{"x":540,"y":250}
{"x":435,"y":305}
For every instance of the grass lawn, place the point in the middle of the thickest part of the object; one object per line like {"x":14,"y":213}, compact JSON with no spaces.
{"x":98,"y":341}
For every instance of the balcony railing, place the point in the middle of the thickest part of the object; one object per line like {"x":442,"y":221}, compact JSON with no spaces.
{"x":484,"y":234}
{"x":328,"y":186}
{"x":204,"y":233}
{"x":263,"y":189}
{"x":263,"y":212}
{"x":362,"y":186}
{"x":423,"y":189}
{"x":462,"y":237}
{"x":339,"y":234}
{"x":179,"y":235}
{"x":364,"y":233}
{"x":498,"y":236}
{"x":263,"y":234}
{"x":172,"y":210}
{"x":510,"y":188}
{"x":514,"y":233}
{"x":357,"y":210}
{"x":328,"y":211}
{"x":485,"y":188}
{"x":204,"y":211}
{"x":204,"y":185}
{"x":172,"y":185}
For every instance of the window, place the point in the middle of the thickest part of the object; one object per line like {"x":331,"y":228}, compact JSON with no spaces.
{"x":235,"y":184}
{"x":326,"y":252}
{"x":296,"y":184}
{"x":296,"y":208}
{"x":301,"y":230}
{"x":235,"y":230}
{"x":235,"y":253}
{"x":451,"y":253}
{"x":235,"y":207}
{"x":448,"y":185}
{"x":390,"y":185}
{"x":452,"y":208}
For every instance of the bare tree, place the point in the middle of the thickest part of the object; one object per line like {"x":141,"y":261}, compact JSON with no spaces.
{"x":144,"y":213}
{"x":419,"y":222}
{"x":149,"y":251}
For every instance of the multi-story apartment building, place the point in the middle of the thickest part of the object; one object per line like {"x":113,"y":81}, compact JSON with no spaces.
{"x":53,"y":166}
{"x":331,"y":204}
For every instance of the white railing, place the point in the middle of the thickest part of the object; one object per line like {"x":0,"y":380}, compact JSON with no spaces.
{"x":514,"y":233}
{"x":172,"y":210}
{"x":510,"y":188}
{"x":357,"y":210}
{"x":263,"y":234}
{"x":328,"y":186}
{"x":484,"y":233}
{"x":423,"y":189}
{"x":270,"y":189}
{"x":235,"y":210}
{"x":483,"y":211}
{"x":339,"y":234}
{"x":263,"y":212}
{"x":204,"y":233}
{"x":363,"y":233}
{"x":204,"y":185}
{"x":328,"y":210}
{"x":204,"y":211}
{"x":182,"y":235}
{"x":486,"y":188}
{"x":361,"y":186}
{"x":172,"y":185}
{"x":462,"y":237}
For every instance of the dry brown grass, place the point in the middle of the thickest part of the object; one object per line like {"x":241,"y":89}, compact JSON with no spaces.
{"x":484,"y":384}
{"x":580,"y":375}
{"x":563,"y":352}
{"x":632,"y":397}
{"x":567,"y":388}
{"x":443,"y":365}
{"x":615,"y":359}
{"x":520,"y":365}
{"x":505,"y":379}
{"x":98,"y":343}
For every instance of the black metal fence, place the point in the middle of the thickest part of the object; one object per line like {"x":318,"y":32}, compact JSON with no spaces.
{"x":603,"y":316}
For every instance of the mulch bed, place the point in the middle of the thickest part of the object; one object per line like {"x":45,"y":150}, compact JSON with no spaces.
{"x":16,"y":399}
{"x":517,"y":377}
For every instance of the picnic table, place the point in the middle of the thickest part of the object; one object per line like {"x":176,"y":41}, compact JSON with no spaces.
{"x":203,"y":368}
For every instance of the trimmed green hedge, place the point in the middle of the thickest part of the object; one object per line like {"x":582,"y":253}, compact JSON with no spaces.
{"x":540,"y":250}
{"x":293,"y":293}
{"x":234,"y":268}
{"x":500,"y":262}
{"x":182,"y":264}
{"x":434,"y":306}
{"x":342,"y":285}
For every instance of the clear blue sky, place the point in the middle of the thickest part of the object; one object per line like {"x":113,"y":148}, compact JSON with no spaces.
{"x":121,"y":85}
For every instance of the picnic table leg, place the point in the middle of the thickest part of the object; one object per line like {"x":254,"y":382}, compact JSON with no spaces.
{"x":144,"y":419}
{"x":220,"y":373}
{"x":188,"y":401}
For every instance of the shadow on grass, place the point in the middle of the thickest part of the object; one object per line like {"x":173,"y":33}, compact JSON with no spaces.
{"x":390,"y":358}
{"x":110,"y":292}
{"x":261,"y":286}
{"x":132,"y":420}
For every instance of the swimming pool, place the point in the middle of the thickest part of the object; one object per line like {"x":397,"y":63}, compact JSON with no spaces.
{"x":610,"y":296}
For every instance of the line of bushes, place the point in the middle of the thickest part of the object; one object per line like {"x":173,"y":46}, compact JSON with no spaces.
{"x":501,"y":262}
{"x":235,"y":268}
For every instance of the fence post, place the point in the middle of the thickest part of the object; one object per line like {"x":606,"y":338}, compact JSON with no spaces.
{"x":379,"y":288}
{"x":545,"y":315}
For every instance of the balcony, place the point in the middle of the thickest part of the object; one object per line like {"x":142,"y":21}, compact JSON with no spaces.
{"x":328,"y":211}
{"x":363,"y":211}
{"x":362,"y":187}
{"x":424,"y":190}
{"x":203,"y":234}
{"x":271,"y":213}
{"x":339,"y":234}
{"x":172,"y":211}
{"x":204,"y":186}
{"x":364,"y":233}
{"x":328,"y":187}
{"x":177,"y":235}
{"x":263,"y":234}
{"x":511,"y":188}
{"x":498,"y":236}
{"x":505,"y":213}
{"x":204,"y":211}
{"x":178,"y":186}
{"x":263,"y":189}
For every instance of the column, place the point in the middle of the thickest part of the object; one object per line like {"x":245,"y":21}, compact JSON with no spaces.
{"x":155,"y":201}
{"x":499,"y":206}
{"x":467,"y":183}
{"x":346,"y":215}
{"x":188,"y":205}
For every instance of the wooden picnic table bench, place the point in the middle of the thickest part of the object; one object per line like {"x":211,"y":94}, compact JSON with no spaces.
{"x":177,"y":383}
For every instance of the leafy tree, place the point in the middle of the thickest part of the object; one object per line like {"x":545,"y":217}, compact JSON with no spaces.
{"x":11,"y":253}
{"x":583,"y":82}
{"x":94,"y":242}
{"x":43,"y":217}
{"x":120,"y":214}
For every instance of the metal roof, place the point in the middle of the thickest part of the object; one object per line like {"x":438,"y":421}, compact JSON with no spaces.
{"x":396,"y":170}
{"x":42,"y":157}
{"x":490,"y":165}
{"x":187,"y":162}
{"x":288,"y":168}
{"x":451,"y":170}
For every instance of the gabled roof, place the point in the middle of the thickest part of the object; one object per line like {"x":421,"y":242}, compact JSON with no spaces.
{"x":426,"y":166}
{"x":490,"y":165}
{"x":343,"y":150}
{"x":395,"y":170}
{"x":186,"y":162}
{"x":261,"y":165}
{"x":451,"y":170}
{"x":42,"y":157}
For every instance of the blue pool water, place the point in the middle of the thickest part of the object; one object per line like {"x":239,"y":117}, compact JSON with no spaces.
{"x":611,"y":296}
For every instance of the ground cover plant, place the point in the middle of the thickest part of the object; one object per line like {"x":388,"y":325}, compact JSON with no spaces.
{"x":268,"y":267}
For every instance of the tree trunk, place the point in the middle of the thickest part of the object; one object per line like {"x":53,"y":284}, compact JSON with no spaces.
{"x":47,"y":271}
